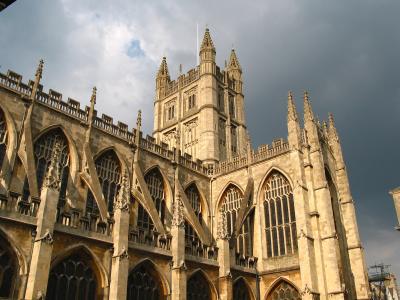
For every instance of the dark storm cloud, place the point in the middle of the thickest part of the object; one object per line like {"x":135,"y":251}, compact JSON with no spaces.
{"x":346,"y":53}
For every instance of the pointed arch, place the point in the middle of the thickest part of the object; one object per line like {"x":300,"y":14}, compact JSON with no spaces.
{"x":242,"y":289}
{"x":158,"y":187}
{"x":269,"y":171}
{"x":12,"y":265}
{"x":196,"y":201}
{"x":145,"y":281}
{"x":282,"y":289}
{"x":221,"y":193}
{"x":199,"y":286}
{"x":121,"y":158}
{"x":109,"y":172}
{"x":206,"y":206}
{"x":78,"y":273}
{"x":279,"y":218}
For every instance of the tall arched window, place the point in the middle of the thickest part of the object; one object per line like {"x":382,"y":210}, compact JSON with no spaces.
{"x":3,"y":137}
{"x":73,"y":278}
{"x":8,"y":268}
{"x":280,"y":219}
{"x":232,"y":199}
{"x":155,"y":185}
{"x":240,"y":290}
{"x":193,"y":195}
{"x":198,"y":287}
{"x":144,"y":283}
{"x":108,"y":169}
{"x":43,"y":152}
{"x":284,"y":291}
{"x":144,"y":220}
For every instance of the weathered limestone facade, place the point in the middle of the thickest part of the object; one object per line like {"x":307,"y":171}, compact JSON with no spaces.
{"x":93,"y":210}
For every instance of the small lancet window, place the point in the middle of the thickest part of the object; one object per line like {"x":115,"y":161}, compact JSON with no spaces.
{"x":280,"y":220}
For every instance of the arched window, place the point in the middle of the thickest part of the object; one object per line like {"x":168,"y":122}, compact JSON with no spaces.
{"x":198,"y":287}
{"x":284,"y":291}
{"x":3,"y":137}
{"x":155,"y":185}
{"x":8,"y":265}
{"x":193,"y":195}
{"x":144,"y":220}
{"x":73,"y":278}
{"x":43,"y":152}
{"x":144,"y":283}
{"x":109,"y":171}
{"x":232,"y":199}
{"x":240,"y":290}
{"x":280,"y":219}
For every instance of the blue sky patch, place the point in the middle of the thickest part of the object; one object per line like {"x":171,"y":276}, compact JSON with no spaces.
{"x":134,"y":49}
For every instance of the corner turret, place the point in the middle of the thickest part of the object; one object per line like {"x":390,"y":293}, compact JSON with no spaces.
{"x":207,"y":54}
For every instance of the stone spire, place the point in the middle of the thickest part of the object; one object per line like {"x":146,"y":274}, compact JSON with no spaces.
{"x":177,"y":212}
{"x":123,"y":198}
{"x":222,"y":227}
{"x":234,"y":62}
{"x":308,"y":113}
{"x":292,"y":112}
{"x":207,"y":42}
{"x":52,"y":179}
{"x":163,"y":70}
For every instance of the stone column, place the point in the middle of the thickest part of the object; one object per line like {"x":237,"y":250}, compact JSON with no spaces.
{"x":178,"y":272}
{"x":224,"y":258}
{"x":43,"y":244}
{"x":355,"y":250}
{"x":120,"y":259}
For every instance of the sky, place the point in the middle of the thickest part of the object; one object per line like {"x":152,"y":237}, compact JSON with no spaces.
{"x":345,"y":53}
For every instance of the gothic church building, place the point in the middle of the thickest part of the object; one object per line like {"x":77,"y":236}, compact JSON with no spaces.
{"x":90,"y":209}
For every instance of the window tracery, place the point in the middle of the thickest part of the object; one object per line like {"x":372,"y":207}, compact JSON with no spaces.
{"x":280,"y":219}
{"x":142,"y":284}
{"x":240,"y":290}
{"x":108,"y":169}
{"x":284,"y":291}
{"x":8,"y":266}
{"x":144,"y":220}
{"x":73,"y":278}
{"x":155,"y":184}
{"x":193,"y":195}
{"x":198,"y":287}
{"x":3,"y":137}
{"x":232,"y":200}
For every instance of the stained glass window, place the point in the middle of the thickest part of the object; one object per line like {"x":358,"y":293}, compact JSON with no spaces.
{"x":155,"y":185}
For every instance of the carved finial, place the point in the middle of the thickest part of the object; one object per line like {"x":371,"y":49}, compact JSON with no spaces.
{"x":177,"y":212}
{"x":52,"y":179}
{"x":325,"y":128}
{"x":123,"y":198}
{"x":222,"y":227}
{"x":332,"y":132}
{"x":139,"y":119}
{"x":234,"y":61}
{"x":292,"y":112}
{"x":163,"y":70}
{"x":93,"y":98}
{"x":39,"y":70}
{"x":308,"y":113}
{"x":207,"y":41}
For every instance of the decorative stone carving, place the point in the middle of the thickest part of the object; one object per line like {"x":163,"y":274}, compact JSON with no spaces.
{"x":52,"y":179}
{"x":123,"y":198}
{"x":222,"y":228}
{"x":177,"y":212}
{"x":123,"y":255}
{"x":47,"y":238}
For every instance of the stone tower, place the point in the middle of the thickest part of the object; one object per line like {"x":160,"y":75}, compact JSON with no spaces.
{"x":203,"y":109}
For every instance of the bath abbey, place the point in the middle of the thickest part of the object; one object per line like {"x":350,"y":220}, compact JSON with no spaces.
{"x":93,"y":209}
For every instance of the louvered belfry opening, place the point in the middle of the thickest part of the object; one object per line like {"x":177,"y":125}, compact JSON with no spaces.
{"x":280,"y":218}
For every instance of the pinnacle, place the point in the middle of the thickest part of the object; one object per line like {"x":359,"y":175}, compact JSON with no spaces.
{"x":94,"y":95}
{"x":52,"y":179}
{"x":292,"y":113}
{"x":308,"y":113}
{"x":139,"y":119}
{"x":234,"y":61}
{"x":207,"y":41}
{"x":39,"y":69}
{"x":163,"y":70}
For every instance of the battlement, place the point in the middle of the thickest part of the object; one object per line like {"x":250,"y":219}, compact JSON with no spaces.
{"x":182,"y":81}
